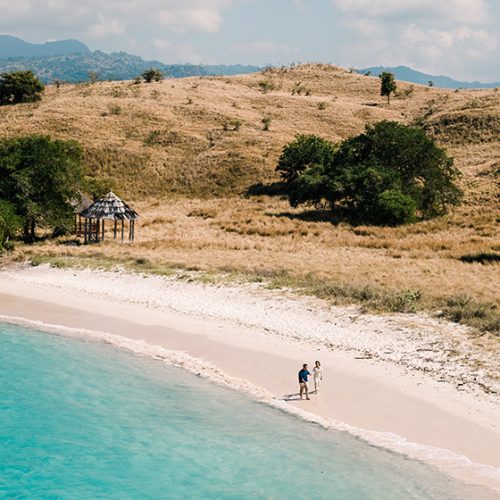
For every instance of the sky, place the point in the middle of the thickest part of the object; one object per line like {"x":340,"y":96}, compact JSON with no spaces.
{"x":458,"y":38}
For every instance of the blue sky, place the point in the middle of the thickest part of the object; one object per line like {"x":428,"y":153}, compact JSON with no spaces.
{"x":460,"y":38}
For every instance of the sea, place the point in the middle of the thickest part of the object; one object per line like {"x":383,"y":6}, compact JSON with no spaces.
{"x":83,"y":419}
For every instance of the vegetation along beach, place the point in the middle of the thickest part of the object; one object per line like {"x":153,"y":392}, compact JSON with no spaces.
{"x":181,"y":239}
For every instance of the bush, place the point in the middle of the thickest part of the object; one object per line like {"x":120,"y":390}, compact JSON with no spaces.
{"x":266,"y":86}
{"x":393,"y":208}
{"x":20,"y":86}
{"x":266,"y":123}
{"x":152,"y":75}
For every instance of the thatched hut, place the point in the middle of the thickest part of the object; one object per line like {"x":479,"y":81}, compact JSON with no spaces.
{"x":91,"y":224}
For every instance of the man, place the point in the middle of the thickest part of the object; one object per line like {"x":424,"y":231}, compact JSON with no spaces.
{"x":303,"y":374}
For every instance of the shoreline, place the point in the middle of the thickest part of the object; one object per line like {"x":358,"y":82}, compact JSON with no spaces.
{"x":385,"y":404}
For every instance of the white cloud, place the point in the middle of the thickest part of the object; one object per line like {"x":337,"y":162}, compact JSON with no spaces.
{"x":176,"y":15}
{"x":437,"y":36}
{"x":106,"y":27}
{"x":470,"y":11}
{"x":183,"y":20}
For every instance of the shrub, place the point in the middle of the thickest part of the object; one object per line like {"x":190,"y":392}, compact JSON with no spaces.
{"x":152,"y":75}
{"x":233,"y":125}
{"x":266,"y":123}
{"x":393,"y":208}
{"x":20,"y":86}
{"x":266,"y":86}
{"x":299,"y":89}
{"x":467,"y":310}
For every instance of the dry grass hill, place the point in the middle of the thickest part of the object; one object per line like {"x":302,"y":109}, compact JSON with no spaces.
{"x":186,"y":152}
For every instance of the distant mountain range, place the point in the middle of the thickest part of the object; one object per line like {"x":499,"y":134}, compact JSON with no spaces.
{"x":410,"y":75}
{"x":11,"y":46}
{"x":72,"y":61}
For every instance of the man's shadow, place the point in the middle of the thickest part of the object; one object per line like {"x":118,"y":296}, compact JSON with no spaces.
{"x":291,"y":397}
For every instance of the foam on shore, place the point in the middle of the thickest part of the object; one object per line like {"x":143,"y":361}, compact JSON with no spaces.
{"x":455,"y":465}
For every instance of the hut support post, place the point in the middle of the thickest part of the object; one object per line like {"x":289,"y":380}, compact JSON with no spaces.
{"x":85,"y":231}
{"x":114,"y":230}
{"x":123,"y":228}
{"x":102,"y":230}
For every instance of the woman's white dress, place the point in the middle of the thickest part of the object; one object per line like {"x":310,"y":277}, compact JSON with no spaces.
{"x":317,"y":375}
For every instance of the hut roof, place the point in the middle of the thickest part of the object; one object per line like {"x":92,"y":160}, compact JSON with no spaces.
{"x":110,"y":207}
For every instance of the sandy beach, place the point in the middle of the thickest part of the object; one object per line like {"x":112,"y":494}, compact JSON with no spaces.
{"x":418,"y":386}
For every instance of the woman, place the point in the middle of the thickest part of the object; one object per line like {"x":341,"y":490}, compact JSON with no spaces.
{"x":317,"y":375}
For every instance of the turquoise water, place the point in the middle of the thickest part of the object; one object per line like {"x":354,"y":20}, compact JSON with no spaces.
{"x":85,"y":420}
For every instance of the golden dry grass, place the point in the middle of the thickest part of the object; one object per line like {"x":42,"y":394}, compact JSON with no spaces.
{"x":184,"y":151}
{"x":178,"y":136}
{"x":262,"y":237}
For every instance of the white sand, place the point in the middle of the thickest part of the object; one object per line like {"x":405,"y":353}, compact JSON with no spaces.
{"x":409,"y":383}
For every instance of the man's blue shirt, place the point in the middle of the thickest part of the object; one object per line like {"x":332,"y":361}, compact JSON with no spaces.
{"x":303,"y":374}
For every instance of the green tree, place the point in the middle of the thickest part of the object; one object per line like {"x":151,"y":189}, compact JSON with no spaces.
{"x":10,"y":224}
{"x":408,"y":160}
{"x":388,"y":175}
{"x":387,"y":85}
{"x":304,"y":152}
{"x":152,"y":75}
{"x":40,"y":177}
{"x":20,"y":86}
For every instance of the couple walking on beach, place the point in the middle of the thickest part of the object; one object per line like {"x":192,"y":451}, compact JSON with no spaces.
{"x":304,"y":379}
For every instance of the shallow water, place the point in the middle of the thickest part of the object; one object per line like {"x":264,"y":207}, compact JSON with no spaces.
{"x":84,"y":420}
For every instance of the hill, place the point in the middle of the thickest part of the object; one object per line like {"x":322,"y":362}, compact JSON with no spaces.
{"x":13,"y":47}
{"x":188,"y":152}
{"x":410,"y":75}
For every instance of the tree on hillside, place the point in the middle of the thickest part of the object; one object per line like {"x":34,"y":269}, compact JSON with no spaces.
{"x":40,"y":177}
{"x":305,"y":151}
{"x":389,"y":175}
{"x":152,"y":75}
{"x":387,"y":85}
{"x":20,"y":86}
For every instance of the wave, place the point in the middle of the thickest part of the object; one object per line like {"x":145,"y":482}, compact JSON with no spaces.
{"x":453,"y":464}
